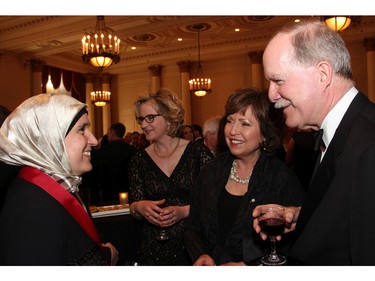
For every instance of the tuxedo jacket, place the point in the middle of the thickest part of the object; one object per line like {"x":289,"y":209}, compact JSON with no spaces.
{"x":336,"y":225}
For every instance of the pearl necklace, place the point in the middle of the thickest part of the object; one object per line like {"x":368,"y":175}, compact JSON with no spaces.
{"x":234,"y":177}
{"x":170,"y":154}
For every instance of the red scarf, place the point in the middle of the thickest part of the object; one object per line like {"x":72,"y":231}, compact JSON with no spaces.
{"x":69,"y":202}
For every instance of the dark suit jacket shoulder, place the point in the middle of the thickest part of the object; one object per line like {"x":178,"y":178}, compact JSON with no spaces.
{"x":336,"y":225}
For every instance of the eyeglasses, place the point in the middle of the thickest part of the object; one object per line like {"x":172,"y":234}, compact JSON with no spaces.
{"x":149,"y":118}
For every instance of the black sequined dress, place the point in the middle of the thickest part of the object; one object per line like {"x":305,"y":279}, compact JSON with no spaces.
{"x":148,"y":182}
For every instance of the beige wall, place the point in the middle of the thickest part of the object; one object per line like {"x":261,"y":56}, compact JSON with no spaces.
{"x":359,"y":65}
{"x":227,"y":75}
{"x":15,"y":81}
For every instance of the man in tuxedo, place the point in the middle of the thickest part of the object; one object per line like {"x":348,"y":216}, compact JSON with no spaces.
{"x":310,"y":76}
{"x":198,"y":132}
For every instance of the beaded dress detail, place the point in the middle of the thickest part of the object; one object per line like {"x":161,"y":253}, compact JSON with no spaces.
{"x":148,"y":182}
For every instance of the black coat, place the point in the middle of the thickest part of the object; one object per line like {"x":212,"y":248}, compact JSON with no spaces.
{"x":37,"y":230}
{"x":109,"y":175}
{"x":271,"y":182}
{"x":336,"y":225}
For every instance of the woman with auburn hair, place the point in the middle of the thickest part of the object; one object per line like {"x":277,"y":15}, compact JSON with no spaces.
{"x":219,"y":229}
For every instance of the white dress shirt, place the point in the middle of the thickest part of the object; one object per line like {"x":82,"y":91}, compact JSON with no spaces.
{"x":334,"y":117}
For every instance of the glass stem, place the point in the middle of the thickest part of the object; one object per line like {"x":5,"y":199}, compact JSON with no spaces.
{"x":273,"y":246}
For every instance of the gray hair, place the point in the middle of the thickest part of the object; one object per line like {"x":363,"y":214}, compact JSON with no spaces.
{"x":313,"y":41}
{"x":211,"y":125}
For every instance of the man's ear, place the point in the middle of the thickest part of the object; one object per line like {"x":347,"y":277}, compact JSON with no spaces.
{"x":325,"y":73}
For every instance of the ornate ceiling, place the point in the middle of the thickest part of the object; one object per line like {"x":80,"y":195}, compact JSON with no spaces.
{"x":56,"y":40}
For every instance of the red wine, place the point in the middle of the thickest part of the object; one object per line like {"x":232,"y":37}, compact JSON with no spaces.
{"x":272,"y":226}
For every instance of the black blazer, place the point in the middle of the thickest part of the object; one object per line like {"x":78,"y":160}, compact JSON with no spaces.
{"x":336,"y":225}
{"x":271,"y":182}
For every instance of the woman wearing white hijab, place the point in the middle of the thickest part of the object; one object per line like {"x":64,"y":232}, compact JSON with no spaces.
{"x":43,"y":221}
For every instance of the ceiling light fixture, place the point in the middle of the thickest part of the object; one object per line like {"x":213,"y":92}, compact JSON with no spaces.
{"x":99,"y":96}
{"x":199,"y":86}
{"x":337,"y":23}
{"x":101,"y":49}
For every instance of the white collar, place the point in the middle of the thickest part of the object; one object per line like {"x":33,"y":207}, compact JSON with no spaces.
{"x":334,"y":117}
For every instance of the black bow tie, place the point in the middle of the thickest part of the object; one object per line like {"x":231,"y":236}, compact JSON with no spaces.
{"x":319,"y":143}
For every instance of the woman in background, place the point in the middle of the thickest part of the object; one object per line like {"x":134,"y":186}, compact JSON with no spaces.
{"x":187,"y":133}
{"x":161,"y":177}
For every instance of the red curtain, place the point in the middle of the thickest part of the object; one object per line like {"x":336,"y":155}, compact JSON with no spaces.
{"x":73,"y":81}
{"x":55,"y":76}
{"x":45,"y":73}
{"x":67,"y":79}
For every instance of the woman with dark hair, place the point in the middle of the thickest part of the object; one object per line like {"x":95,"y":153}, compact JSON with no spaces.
{"x":219,"y":229}
{"x":161,"y":177}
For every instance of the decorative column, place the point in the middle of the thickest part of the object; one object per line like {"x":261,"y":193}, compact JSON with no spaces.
{"x":369,"y":44}
{"x":107,"y":108}
{"x":184,"y":88}
{"x":89,"y":78}
{"x":36,"y":67}
{"x":256,"y":69}
{"x":155,"y":77}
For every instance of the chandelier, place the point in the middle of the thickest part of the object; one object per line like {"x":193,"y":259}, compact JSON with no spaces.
{"x":101,"y":49}
{"x":199,"y":86}
{"x":337,"y":23}
{"x":99,"y":96}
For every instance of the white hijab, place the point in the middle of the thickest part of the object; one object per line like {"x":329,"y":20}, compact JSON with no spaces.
{"x":33,"y":135}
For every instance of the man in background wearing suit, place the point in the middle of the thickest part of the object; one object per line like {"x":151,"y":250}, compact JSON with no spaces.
{"x":109,"y":173}
{"x":310,"y":76}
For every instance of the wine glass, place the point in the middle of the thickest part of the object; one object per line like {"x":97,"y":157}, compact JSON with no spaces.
{"x":272,"y":222}
{"x":162,"y":236}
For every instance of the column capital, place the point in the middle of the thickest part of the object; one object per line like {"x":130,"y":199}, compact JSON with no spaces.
{"x":184,"y":66}
{"x":256,"y":57}
{"x":36,"y":65}
{"x":369,"y":43}
{"x":89,"y":78}
{"x":155,"y":69}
